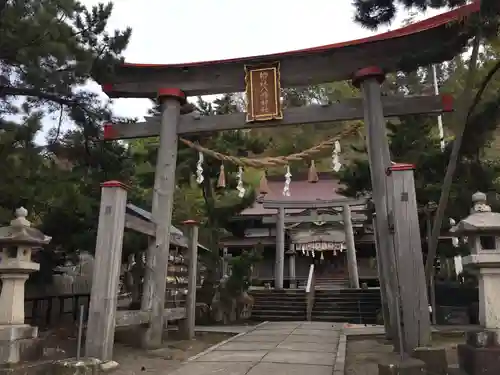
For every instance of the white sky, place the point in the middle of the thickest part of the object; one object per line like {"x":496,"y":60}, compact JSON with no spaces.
{"x":176,"y":31}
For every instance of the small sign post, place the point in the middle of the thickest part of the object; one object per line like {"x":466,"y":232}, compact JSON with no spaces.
{"x":263,"y":92}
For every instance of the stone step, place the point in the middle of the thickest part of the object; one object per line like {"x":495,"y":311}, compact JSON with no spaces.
{"x":340,"y":307}
{"x":344,"y":313}
{"x":281,"y":304}
{"x":280,"y":307}
{"x":279,"y":292}
{"x":273,"y":318}
{"x":342,"y":319}
{"x":363,"y":292}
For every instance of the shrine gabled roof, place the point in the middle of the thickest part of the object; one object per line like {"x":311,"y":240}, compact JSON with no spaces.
{"x":432,"y":40}
{"x":300,"y":189}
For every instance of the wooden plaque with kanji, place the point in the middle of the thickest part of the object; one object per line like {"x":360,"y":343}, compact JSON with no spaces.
{"x":263,"y":92}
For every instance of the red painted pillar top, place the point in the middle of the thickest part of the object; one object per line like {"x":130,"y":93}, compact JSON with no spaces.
{"x":368,"y":72}
{"x":115,"y":184}
{"x":169,"y":92}
{"x":400,"y":167}
{"x":190,"y":222}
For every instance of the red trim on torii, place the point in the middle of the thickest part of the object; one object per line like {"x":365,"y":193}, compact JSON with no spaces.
{"x":447,"y":100}
{"x":169,"y":92}
{"x":400,"y":167}
{"x":368,"y":72}
{"x":417,"y":27}
{"x":109,"y":131}
{"x":190,"y":222}
{"x":114,"y":184}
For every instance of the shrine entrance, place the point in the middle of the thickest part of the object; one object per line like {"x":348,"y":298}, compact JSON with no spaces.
{"x":365,"y":62}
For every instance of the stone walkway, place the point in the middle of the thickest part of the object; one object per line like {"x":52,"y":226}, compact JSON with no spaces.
{"x":275,"y":348}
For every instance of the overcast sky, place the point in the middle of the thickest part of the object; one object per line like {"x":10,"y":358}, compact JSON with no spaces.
{"x":176,"y":31}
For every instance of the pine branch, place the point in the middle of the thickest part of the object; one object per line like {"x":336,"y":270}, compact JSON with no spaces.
{"x":6,"y":91}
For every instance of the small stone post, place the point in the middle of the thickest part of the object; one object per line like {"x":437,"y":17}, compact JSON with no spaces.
{"x":280,"y":249}
{"x":291,"y":267}
{"x":17,"y":243}
{"x":481,"y":353}
{"x":352,"y":262}
{"x":108,"y":256}
{"x":190,"y":321}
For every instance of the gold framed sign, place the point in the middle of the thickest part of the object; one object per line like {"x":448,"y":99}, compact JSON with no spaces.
{"x":263,"y":92}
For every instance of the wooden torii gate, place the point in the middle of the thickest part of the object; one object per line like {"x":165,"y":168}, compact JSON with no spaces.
{"x":280,"y":220}
{"x":365,"y":61}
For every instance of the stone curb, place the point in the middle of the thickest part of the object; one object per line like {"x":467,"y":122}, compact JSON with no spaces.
{"x":214,"y":347}
{"x":339,"y":365}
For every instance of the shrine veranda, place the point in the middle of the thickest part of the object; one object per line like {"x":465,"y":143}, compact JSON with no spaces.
{"x":365,"y":62}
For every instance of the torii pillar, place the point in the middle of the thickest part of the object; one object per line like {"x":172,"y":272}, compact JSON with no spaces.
{"x":153,"y":300}
{"x":369,"y":80}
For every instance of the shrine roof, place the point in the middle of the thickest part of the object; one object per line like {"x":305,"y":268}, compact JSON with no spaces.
{"x":300,"y":189}
{"x":405,"y":48}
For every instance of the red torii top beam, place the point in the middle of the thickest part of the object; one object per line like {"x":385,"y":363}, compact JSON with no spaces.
{"x":433,"y":40}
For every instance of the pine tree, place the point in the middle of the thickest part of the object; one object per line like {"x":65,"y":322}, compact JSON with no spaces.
{"x":49,"y":50}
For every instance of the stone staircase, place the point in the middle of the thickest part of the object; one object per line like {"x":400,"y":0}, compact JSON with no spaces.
{"x":326,"y":283}
{"x":357,"y":306}
{"x":279,"y":305}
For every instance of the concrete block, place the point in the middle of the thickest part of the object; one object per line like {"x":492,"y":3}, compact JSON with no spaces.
{"x":434,"y":359}
{"x":409,"y":366}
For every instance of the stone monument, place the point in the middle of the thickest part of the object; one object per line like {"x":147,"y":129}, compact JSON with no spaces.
{"x":481,"y":353}
{"x":17,"y":242}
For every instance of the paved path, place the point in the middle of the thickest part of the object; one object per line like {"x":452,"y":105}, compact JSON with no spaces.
{"x":277,"y":348}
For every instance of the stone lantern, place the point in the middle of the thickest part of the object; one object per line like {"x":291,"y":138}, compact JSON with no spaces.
{"x":17,"y":242}
{"x":482,"y":229}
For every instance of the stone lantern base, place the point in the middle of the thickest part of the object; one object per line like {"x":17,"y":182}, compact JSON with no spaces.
{"x":17,"y":343}
{"x":480,"y":354}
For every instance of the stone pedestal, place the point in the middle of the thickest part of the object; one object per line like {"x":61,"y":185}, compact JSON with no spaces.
{"x":480,"y":354}
{"x":12,"y":298}
{"x":16,"y":342}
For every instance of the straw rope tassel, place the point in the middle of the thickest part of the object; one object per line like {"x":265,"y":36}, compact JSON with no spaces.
{"x":221,"y":182}
{"x":263,"y":185}
{"x":313,"y":173}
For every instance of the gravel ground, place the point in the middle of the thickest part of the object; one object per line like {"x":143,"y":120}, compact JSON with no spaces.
{"x":363,"y":355}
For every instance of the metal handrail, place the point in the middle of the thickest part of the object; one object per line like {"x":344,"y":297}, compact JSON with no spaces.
{"x":310,"y":288}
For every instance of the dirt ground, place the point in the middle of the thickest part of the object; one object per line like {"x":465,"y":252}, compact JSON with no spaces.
{"x":165,"y":360}
{"x":133,"y":360}
{"x":363,"y":355}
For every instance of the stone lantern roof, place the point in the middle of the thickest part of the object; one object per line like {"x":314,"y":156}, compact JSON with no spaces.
{"x":481,"y":219}
{"x":20,"y":232}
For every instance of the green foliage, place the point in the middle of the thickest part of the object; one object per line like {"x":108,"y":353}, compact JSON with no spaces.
{"x":241,"y":272}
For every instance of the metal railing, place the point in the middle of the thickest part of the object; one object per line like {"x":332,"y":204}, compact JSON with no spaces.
{"x":310,"y":287}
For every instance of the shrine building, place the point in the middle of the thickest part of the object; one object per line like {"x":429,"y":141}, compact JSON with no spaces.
{"x":321,"y":242}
